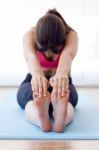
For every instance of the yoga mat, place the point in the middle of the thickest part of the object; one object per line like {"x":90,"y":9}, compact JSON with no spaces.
{"x":14,"y":126}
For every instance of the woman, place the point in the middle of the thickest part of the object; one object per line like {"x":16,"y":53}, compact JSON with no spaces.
{"x":49,"y":49}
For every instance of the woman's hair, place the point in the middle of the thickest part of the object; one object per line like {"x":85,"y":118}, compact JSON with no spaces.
{"x":55,"y":12}
{"x":51,"y":30}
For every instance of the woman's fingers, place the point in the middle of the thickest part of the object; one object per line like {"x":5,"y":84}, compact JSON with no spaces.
{"x":55,"y":86}
{"x":63,"y":87}
{"x":67,"y":94}
{"x":32,"y":85}
{"x":40,"y":87}
{"x":35,"y":86}
{"x":44,"y":87}
{"x":33,"y":89}
{"x":59,"y":87}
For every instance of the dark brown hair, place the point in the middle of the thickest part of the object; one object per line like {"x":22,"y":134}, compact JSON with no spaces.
{"x":51,"y":29}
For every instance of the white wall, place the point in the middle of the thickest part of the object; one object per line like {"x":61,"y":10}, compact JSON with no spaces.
{"x":91,"y":7}
{"x":17,"y":16}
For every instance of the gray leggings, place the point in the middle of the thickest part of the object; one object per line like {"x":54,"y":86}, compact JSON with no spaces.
{"x":24,"y":93}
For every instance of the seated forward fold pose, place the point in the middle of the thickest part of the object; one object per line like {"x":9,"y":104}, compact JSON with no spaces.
{"x":49,"y":49}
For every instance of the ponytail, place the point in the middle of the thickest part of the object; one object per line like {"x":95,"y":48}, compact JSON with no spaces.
{"x":55,"y":12}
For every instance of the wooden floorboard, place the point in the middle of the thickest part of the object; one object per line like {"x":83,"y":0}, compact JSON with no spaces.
{"x":49,"y":145}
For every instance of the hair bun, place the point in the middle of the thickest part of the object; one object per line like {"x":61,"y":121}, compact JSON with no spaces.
{"x":53,"y":11}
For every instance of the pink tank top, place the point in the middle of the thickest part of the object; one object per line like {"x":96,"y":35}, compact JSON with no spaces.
{"x":46,"y":63}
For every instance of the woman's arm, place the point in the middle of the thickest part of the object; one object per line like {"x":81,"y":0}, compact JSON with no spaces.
{"x":39,"y":82}
{"x":30,"y":53}
{"x":60,"y":80}
{"x":68,"y":53}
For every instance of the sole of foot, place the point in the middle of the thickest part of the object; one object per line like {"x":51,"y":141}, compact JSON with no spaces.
{"x":59,"y":111}
{"x":42,"y":107}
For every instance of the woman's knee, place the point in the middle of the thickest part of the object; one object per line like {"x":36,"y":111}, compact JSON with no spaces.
{"x":19,"y":98}
{"x":73,"y":95}
{"x":29,"y":107}
{"x":70,"y":114}
{"x":24,"y":94}
{"x":30,"y":111}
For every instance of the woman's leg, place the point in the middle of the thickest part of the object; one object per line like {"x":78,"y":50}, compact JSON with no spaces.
{"x":63,"y":109}
{"x":24,"y":94}
{"x":70,"y":114}
{"x":59,"y":111}
{"x":36,"y":112}
{"x":73,"y":100}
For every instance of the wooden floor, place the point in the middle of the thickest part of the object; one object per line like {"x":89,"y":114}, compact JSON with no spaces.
{"x":93,"y":93}
{"x":49,"y":145}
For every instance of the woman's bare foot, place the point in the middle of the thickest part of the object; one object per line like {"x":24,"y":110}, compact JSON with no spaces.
{"x":59,"y":111}
{"x":42,"y":107}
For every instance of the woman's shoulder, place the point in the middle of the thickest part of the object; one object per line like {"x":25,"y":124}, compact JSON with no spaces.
{"x":30,"y":31}
{"x":30,"y":34}
{"x":72,"y":36}
{"x":72,"y":32}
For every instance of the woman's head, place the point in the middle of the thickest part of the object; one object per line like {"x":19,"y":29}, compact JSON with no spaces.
{"x":50,"y":31}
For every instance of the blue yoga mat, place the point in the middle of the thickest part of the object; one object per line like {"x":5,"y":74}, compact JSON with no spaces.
{"x":14,"y":126}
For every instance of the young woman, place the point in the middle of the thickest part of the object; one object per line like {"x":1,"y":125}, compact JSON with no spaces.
{"x":49,"y":49}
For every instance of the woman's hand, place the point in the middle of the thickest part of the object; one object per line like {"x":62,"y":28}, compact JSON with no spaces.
{"x":60,"y":84}
{"x":39,"y":85}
